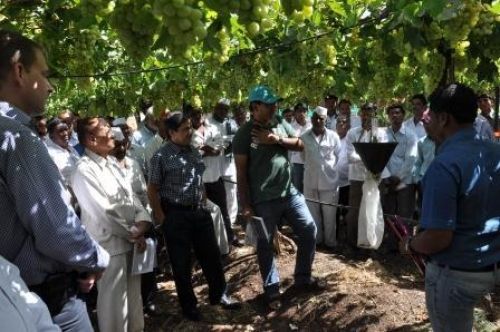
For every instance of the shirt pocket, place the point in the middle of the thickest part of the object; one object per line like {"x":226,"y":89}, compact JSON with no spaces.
{"x":327,"y":152}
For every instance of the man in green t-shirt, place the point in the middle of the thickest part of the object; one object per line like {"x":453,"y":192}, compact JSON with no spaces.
{"x":265,"y":189}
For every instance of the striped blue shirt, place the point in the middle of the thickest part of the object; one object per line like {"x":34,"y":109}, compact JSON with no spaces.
{"x":39,"y":232}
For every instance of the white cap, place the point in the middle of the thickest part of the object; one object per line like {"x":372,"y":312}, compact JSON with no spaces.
{"x":224,"y":101}
{"x":321,"y":111}
{"x":117,"y":133}
{"x":150,"y":111}
{"x":119,"y":122}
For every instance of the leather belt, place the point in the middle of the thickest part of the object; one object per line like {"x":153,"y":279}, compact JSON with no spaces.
{"x":487,"y":268}
{"x":182,"y":207}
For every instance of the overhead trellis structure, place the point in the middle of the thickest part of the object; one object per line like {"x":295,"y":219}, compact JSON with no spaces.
{"x":106,"y":55}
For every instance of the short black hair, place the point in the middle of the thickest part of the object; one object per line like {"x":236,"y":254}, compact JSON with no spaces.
{"x":286,"y":110}
{"x":456,"y":99}
{"x":82,"y":128}
{"x":175,"y":120}
{"x":420,"y":97}
{"x":345,"y":101}
{"x":395,"y":106}
{"x":300,"y":105}
{"x":53,"y":123}
{"x":331,"y":96}
{"x":484,"y":96}
{"x":369,"y":106}
{"x":12,"y":45}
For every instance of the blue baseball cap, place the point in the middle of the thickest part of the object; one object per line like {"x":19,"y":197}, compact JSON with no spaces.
{"x":263,"y":94}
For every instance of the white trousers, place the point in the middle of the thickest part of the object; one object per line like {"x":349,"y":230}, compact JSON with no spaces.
{"x":231,"y":197}
{"x":324,"y":215}
{"x":119,"y":301}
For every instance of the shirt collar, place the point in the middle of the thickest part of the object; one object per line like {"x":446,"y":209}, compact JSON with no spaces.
{"x":14,"y":113}
{"x":101,"y":161}
{"x":176,"y":148}
{"x":461,"y":135}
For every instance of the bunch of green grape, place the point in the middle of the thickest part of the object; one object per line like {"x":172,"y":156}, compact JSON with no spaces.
{"x":457,"y":28}
{"x":486,"y":23}
{"x":183,"y":24}
{"x":136,"y":27}
{"x":96,"y":7}
{"x":253,"y":14}
{"x":298,"y":10}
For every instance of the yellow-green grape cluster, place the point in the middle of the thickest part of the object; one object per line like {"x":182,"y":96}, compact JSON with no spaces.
{"x":486,"y":23}
{"x":457,"y":29}
{"x":253,"y":14}
{"x":432,"y":68}
{"x":96,"y":7}
{"x":136,"y":27}
{"x":80,"y":56}
{"x":298,"y":10}
{"x":184,"y":23}
{"x":328,"y":53}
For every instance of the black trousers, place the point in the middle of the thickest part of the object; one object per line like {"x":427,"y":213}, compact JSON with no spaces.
{"x":216,"y":192}
{"x":186,"y":230}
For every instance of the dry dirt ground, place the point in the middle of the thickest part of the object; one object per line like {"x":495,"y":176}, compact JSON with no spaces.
{"x":367,"y":291}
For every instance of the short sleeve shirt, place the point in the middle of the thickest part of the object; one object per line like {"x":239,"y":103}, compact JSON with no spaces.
{"x":269,"y":170}
{"x":461,"y":191}
{"x":178,"y":173}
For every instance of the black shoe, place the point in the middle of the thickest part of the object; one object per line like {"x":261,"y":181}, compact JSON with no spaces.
{"x":228,"y":303}
{"x":193,"y":315}
{"x":151,"y":310}
{"x":314,"y":285}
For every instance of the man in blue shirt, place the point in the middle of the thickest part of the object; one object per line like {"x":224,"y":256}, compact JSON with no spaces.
{"x":39,"y":231}
{"x":460,"y":213}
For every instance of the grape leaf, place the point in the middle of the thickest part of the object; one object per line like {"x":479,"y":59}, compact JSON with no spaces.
{"x":434,"y":7}
{"x":337,"y":7}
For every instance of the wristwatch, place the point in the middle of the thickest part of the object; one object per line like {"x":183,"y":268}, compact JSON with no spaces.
{"x":280,"y":140}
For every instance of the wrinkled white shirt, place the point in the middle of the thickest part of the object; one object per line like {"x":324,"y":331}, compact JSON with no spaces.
{"x":321,"y":156}
{"x":296,"y":156}
{"x":404,"y":156}
{"x":213,"y":138}
{"x":133,"y":175}
{"x":20,"y":309}
{"x":343,"y":164}
{"x":227,"y":130}
{"x":357,"y":170}
{"x":109,"y":207}
{"x":65,"y":159}
{"x":417,"y":129}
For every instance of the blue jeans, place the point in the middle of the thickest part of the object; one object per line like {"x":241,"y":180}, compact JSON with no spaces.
{"x":451,"y":296}
{"x":73,"y":316}
{"x":298,"y":176}
{"x":295,"y":211}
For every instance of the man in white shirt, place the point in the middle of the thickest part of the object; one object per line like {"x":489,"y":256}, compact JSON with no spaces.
{"x":357,"y":170}
{"x":147,"y":129}
{"x":208,"y":140}
{"x":484,"y":122}
{"x":415,"y":124}
{"x":116,"y":218}
{"x":158,"y":140}
{"x":300,"y":125}
{"x":330,"y":103}
{"x":399,"y":199}
{"x":62,"y":153}
{"x":321,"y":152}
{"x":343,"y":126}
{"x":345,"y":110}
{"x":227,"y":128}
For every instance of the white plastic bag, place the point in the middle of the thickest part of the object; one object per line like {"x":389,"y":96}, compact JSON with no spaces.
{"x":371,"y":219}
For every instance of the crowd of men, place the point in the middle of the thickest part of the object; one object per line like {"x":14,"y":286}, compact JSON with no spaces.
{"x":80,"y":195}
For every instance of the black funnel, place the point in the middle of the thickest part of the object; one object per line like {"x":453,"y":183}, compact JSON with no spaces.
{"x":375,"y":155}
